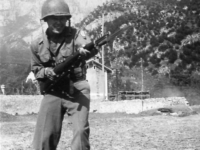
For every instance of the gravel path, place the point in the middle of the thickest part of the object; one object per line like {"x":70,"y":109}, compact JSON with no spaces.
{"x":113,"y":132}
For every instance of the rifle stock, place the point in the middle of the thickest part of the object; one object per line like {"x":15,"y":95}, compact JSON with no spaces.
{"x":62,"y":68}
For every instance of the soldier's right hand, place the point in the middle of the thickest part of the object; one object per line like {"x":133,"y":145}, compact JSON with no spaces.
{"x":50,"y":73}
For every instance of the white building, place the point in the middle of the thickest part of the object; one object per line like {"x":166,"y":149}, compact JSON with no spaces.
{"x":98,"y":80}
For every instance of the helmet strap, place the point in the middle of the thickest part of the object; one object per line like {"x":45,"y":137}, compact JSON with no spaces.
{"x":43,"y":33}
{"x":69,"y":22}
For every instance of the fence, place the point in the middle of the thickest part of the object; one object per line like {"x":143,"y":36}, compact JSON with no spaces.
{"x":30,"y":104}
{"x":130,"y":95}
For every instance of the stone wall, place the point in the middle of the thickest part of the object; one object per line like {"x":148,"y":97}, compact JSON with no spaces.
{"x":18,"y":104}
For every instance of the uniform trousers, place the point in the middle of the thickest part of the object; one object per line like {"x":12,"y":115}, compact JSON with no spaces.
{"x":50,"y":117}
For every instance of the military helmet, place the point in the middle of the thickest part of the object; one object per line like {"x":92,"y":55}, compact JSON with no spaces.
{"x":55,"y":8}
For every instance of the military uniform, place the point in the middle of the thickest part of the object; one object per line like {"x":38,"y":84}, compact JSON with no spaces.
{"x":71,"y":95}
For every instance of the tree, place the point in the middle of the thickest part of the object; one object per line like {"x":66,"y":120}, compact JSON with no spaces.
{"x":164,"y":33}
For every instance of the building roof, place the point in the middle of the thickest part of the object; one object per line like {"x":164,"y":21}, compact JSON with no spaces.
{"x":109,"y":70}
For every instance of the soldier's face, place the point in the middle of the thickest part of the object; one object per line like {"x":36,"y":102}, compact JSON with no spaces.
{"x":56,"y":23}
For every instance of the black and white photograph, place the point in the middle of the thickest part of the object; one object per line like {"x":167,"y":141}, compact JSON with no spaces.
{"x":100,"y":75}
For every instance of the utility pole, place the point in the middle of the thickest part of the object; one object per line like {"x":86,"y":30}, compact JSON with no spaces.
{"x":117,"y":88}
{"x":142,"y":75}
{"x":103,"y":71}
{"x":142,"y":80}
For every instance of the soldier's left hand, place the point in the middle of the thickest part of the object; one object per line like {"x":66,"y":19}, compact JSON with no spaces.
{"x":83,"y":51}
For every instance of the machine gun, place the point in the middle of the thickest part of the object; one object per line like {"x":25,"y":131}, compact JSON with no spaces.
{"x":62,"y":68}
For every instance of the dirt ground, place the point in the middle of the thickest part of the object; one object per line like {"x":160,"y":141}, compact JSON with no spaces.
{"x":112,"y":132}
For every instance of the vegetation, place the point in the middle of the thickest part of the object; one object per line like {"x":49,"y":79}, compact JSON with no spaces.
{"x":164,"y":43}
{"x":164,"y":40}
{"x":15,"y":55}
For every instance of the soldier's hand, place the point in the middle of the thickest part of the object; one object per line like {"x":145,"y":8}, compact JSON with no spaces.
{"x":83,"y":51}
{"x":50,"y":73}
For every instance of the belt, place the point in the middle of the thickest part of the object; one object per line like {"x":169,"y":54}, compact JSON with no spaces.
{"x":61,"y":94}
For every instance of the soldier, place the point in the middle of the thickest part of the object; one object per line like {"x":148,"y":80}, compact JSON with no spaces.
{"x":72,"y":95}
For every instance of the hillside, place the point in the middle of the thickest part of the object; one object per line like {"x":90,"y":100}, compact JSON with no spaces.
{"x":11,"y":9}
{"x":20,"y":23}
{"x":160,"y":50}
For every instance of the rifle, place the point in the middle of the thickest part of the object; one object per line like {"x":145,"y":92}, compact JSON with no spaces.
{"x":62,"y":68}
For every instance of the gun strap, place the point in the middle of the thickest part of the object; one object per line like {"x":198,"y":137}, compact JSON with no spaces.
{"x":57,"y":51}
{"x":75,"y":36}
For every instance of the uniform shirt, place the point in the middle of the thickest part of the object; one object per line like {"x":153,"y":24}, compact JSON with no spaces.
{"x":44,"y":55}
